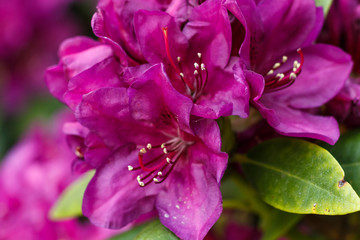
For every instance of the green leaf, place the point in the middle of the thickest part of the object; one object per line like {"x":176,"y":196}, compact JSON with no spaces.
{"x":325,"y":4}
{"x":131,"y":234}
{"x":69,"y":203}
{"x":155,"y":231}
{"x":299,"y":177}
{"x":239,"y":195}
{"x":347,"y":152}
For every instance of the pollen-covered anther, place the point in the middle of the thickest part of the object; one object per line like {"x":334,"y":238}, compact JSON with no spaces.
{"x":292,"y":76}
{"x":199,"y":55}
{"x":203,"y":67}
{"x":155,"y":180}
{"x":159,"y":173}
{"x":196,"y":72}
{"x":296,"y":64}
{"x":276,"y":65}
{"x":138,"y":178}
{"x":196,"y":65}
{"x":280,"y":76}
{"x":178,"y":59}
{"x":168,"y":160}
{"x":165,"y":151}
{"x":182,"y":75}
{"x":142,"y":151}
{"x":149,"y":146}
{"x":78,"y":152}
{"x":270,"y":72}
{"x":130,"y":168}
{"x":284,"y":59}
{"x":162,"y":145}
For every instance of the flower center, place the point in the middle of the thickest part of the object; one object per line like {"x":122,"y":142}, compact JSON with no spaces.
{"x":276,"y":80}
{"x":194,"y":84}
{"x":157,"y":162}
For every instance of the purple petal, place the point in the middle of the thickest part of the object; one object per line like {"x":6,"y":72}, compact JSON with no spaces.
{"x":224,"y":95}
{"x":297,"y":123}
{"x":324,"y":73}
{"x":287,"y":25}
{"x":152,"y":95}
{"x":102,"y":74}
{"x":209,"y":33}
{"x":192,"y":203}
{"x":113,"y":197}
{"x":148,"y":27}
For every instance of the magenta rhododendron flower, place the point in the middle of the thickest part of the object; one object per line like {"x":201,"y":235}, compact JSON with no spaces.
{"x":161,"y":157}
{"x":32,"y":176}
{"x":196,"y":54}
{"x":288,"y":74}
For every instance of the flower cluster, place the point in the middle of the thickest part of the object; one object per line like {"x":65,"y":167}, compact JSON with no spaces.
{"x":146,"y":96}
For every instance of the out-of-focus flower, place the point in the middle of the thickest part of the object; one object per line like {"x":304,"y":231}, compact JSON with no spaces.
{"x":287,"y":74}
{"x":31,"y":33}
{"x":342,"y":28}
{"x":161,"y":158}
{"x":32,"y":176}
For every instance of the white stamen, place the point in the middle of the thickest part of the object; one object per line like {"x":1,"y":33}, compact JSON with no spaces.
{"x":168,"y":160}
{"x":149,"y":146}
{"x":130,"y":168}
{"x":166,"y":215}
{"x":284,"y":59}
{"x":203,"y":67}
{"x":270,"y":72}
{"x":199,"y":55}
{"x":280,"y":76}
{"x":177,"y":206}
{"x":163,"y":145}
{"x":292,"y":76}
{"x":165,"y":151}
{"x":159,"y":173}
{"x":196,"y":72}
{"x":141,"y":184}
{"x":178,"y":58}
{"x":196,"y":65}
{"x":143,"y":150}
{"x":294,"y":69}
{"x":155,"y":180}
{"x":182,"y":75}
{"x":276,"y":65}
{"x":138,"y":178}
{"x":296,"y":64}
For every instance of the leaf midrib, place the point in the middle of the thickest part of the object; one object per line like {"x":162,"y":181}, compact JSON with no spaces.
{"x":294,"y":176}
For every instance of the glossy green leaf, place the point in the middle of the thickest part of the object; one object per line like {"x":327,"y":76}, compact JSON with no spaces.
{"x":70,"y":201}
{"x":131,"y":234}
{"x":155,"y":231}
{"x":239,"y":195}
{"x":326,"y":4}
{"x":347,"y":152}
{"x":299,"y":177}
